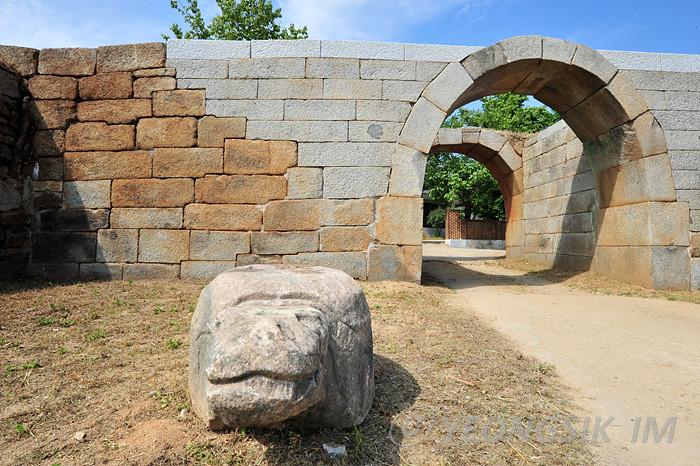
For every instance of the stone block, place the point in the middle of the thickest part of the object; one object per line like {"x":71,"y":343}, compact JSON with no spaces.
{"x":251,"y":259}
{"x":292,"y":215}
{"x":333,"y":68}
{"x":52,"y":114}
{"x":290,"y":89}
{"x":352,"y":89}
{"x":383,"y":110}
{"x":204,"y":270}
{"x":633,"y":60}
{"x":422,"y":126}
{"x":144,"y":87}
{"x":399,"y":221}
{"x":100,"y":272}
{"x":249,"y":109}
{"x":225,"y":89}
{"x":191,"y":162}
{"x":47,"y":169}
{"x":107,"y":86}
{"x":49,"y":142}
{"x":55,"y":186}
{"x":353,"y":154}
{"x":54,"y":272}
{"x":670,"y":268}
{"x":212,"y":130}
{"x":522,"y":48}
{"x":679,"y":120}
{"x":114,"y":111}
{"x":285,"y":48}
{"x":345,"y":238}
{"x":304,"y":183}
{"x":300,"y":131}
{"x":203,"y":49}
{"x":218,"y":245}
{"x":447,"y":89}
{"x":86,"y":194}
{"x":438,"y":53}
{"x":107,"y":165}
{"x":175,"y":192}
{"x":21,"y":59}
{"x":695,"y":274}
{"x":74,"y":220}
{"x":245,"y":157}
{"x":151,"y":271}
{"x":240,"y":189}
{"x":427,"y":71}
{"x":199,"y":69}
{"x":10,"y":198}
{"x":449,"y":136}
{"x":53,"y":87}
{"x":349,"y":212}
{"x":222,"y":217}
{"x":352,"y":263}
{"x":355,"y":182}
{"x":117,"y":245}
{"x":155,"y":72}
{"x":99,"y":136}
{"x":356,"y":49}
{"x":166,"y":132}
{"x":284,"y":243}
{"x":319,"y":110}
{"x":404,"y":70}
{"x":680,"y":140}
{"x":407,"y":91}
{"x":47,"y":201}
{"x":407,"y":173}
{"x":594,"y":62}
{"x":178,"y":103}
{"x":401,"y":263}
{"x":694,"y":245}
{"x":146,"y":218}
{"x":130,"y":57}
{"x":370,"y":131}
{"x":266,"y":68}
{"x":52,"y":247}
{"x":164,"y":246}
{"x":67,"y":61}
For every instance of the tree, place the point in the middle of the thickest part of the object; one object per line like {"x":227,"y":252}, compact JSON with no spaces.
{"x":505,"y":112}
{"x":238,"y":20}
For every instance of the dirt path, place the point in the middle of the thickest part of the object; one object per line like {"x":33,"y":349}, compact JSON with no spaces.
{"x":623,"y":357}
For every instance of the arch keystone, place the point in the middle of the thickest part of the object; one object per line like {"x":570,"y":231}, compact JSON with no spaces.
{"x":522,"y":48}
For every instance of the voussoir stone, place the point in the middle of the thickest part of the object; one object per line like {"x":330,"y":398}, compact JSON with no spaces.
{"x":261,"y":358}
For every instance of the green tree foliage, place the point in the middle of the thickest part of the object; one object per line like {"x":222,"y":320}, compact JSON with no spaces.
{"x":238,"y":20}
{"x":457,"y":179}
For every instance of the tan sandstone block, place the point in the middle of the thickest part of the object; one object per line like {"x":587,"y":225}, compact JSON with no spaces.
{"x":107,"y":165}
{"x":292,"y":215}
{"x":146,"y":218}
{"x":240,"y":189}
{"x":99,"y":136}
{"x":67,"y":61}
{"x":151,"y":271}
{"x":251,"y":259}
{"x":166,"y":132}
{"x":52,"y":114}
{"x":106,"y":86}
{"x":218,"y":245}
{"x":695,"y":245}
{"x":178,"y":103}
{"x":400,"y":220}
{"x":244,"y":157}
{"x":114,"y":111}
{"x":49,"y":142}
{"x":213,"y":130}
{"x":395,"y":263}
{"x":349,"y":212}
{"x":222,"y":217}
{"x":191,"y":162}
{"x":22,"y":59}
{"x":53,"y":87}
{"x":305,"y":183}
{"x":284,"y":243}
{"x":174,"y":192}
{"x":164,"y":246}
{"x":144,"y":87}
{"x":130,"y":57}
{"x":117,"y":245}
{"x":345,"y":238}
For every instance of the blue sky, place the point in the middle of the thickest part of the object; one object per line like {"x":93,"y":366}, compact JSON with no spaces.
{"x":642,"y":25}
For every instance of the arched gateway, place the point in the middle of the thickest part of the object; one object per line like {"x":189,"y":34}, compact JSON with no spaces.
{"x":151,"y":161}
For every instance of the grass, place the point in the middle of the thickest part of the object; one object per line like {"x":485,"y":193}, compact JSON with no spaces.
{"x":124,"y":383}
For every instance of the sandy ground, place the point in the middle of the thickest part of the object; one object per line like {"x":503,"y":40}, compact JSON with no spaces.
{"x":623,"y":357}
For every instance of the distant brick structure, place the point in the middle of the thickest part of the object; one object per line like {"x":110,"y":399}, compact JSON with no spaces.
{"x":147,"y":161}
{"x":458,"y":228}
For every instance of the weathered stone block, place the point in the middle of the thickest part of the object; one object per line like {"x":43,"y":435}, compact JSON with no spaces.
{"x":240,"y":189}
{"x":55,"y":272}
{"x":422,"y":126}
{"x":399,"y":220}
{"x":225,"y":89}
{"x":130,"y":57}
{"x":292,"y":215}
{"x":694,"y":245}
{"x":107,"y":86}
{"x":199,"y":69}
{"x":383,"y":110}
{"x":151,"y":271}
{"x":352,"y":263}
{"x":400,"y":70}
{"x":446,"y":90}
{"x":99,"y":136}
{"x":345,"y":239}
{"x":144,"y":87}
{"x":250,"y":109}
{"x":252,"y":259}
{"x":22,"y":59}
{"x":369,"y":50}
{"x":166,"y":132}
{"x":117,"y":245}
{"x":212,"y":131}
{"x":155,"y":72}
{"x":175,"y":192}
{"x":74,"y":220}
{"x":100,"y":272}
{"x":408,"y":91}
{"x":67,"y":61}
{"x":202,"y":49}
{"x":191,"y":162}
{"x":301,"y":131}
{"x":245,"y":157}
{"x":49,"y":142}
{"x":319,"y":110}
{"x":352,"y":89}
{"x":50,"y":247}
{"x":695,"y":274}
{"x":107,"y":165}
{"x":10,"y":198}
{"x":304,"y":183}
{"x":178,"y":103}
{"x":55,"y":186}
{"x":53,"y":87}
{"x":291,"y":89}
{"x":146,"y":218}
{"x":204,"y":270}
{"x":222,"y":217}
{"x":48,"y":201}
{"x":407,"y":173}
{"x":345,"y":68}
{"x":218,"y":245}
{"x":86,"y":194}
{"x":114,"y":111}
{"x":52,"y":114}
{"x":355,"y":182}
{"x":374,"y":131}
{"x":346,"y":154}
{"x":266,"y":68}
{"x":401,"y":263}
{"x":350,"y":212}
{"x":285,"y":48}
{"x":284,"y":243}
{"x":164,"y":246}
{"x":670,"y":268}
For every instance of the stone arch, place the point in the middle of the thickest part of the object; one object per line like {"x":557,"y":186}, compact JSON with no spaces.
{"x":623,"y":141}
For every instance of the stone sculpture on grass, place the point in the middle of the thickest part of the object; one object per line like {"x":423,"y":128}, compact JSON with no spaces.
{"x":275,"y":344}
